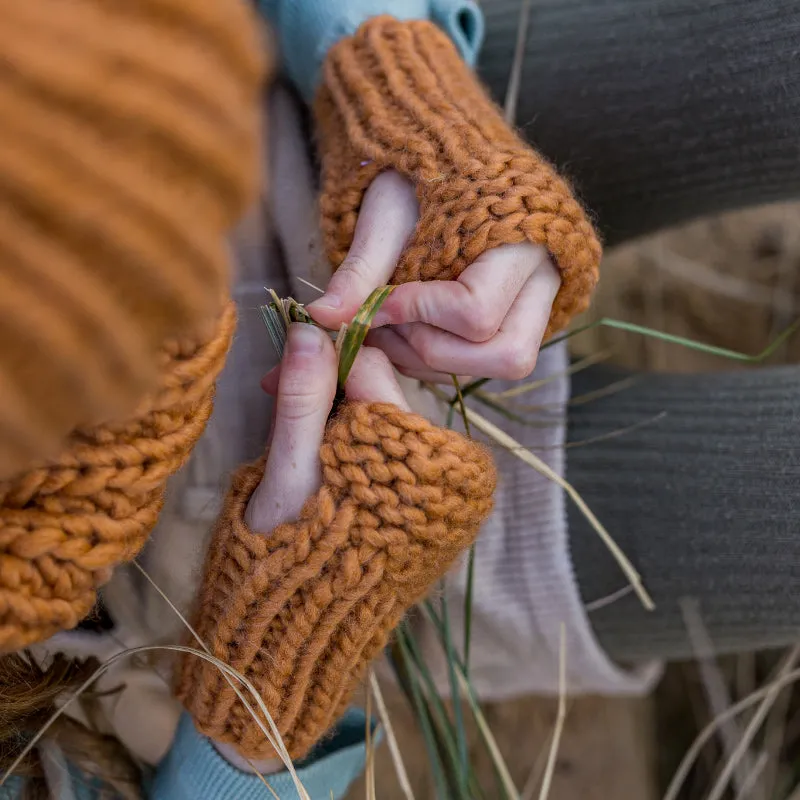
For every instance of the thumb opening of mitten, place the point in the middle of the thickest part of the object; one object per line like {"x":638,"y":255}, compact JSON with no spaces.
{"x":302,"y":610}
{"x":397,"y":95}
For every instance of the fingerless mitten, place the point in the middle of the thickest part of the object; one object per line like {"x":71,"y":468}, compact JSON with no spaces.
{"x":65,"y":523}
{"x":128,"y":149}
{"x":302,"y":610}
{"x":396,"y":95}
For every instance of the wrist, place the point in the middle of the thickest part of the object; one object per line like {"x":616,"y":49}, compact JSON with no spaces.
{"x":264,"y":766}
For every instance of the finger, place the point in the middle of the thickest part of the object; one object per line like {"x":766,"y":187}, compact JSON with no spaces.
{"x":428,"y":376}
{"x":474,"y":306}
{"x":510,"y":354}
{"x":400,"y":352}
{"x":372,"y":380}
{"x":305,"y":395}
{"x":270,"y":381}
{"x":385,"y":222}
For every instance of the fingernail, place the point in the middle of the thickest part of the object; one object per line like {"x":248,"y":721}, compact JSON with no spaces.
{"x":304,"y":339}
{"x":332,"y":301}
{"x":381,"y":318}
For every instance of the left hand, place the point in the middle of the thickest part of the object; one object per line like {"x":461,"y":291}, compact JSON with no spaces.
{"x":488,"y":323}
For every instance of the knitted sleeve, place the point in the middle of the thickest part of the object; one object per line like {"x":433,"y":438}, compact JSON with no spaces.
{"x":66,"y":522}
{"x":396,"y":95}
{"x":302,"y":610}
{"x":127,"y":150}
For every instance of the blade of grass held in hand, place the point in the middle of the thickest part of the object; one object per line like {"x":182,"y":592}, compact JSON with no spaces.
{"x":357,"y":331}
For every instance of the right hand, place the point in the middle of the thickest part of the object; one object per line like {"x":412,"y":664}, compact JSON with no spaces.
{"x":304,"y":384}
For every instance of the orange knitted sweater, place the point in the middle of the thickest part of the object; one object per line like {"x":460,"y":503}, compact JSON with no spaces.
{"x":121,"y":166}
{"x":127,"y":151}
{"x":302,"y":610}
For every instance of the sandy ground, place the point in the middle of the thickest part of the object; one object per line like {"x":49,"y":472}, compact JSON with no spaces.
{"x":742,"y":268}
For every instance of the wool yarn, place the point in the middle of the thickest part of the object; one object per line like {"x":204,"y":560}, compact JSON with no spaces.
{"x":128,"y":149}
{"x":65,"y":523}
{"x":396,"y":95}
{"x":301,"y":611}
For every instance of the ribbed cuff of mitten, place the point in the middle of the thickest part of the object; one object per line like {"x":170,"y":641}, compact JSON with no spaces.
{"x":396,"y":95}
{"x":128,"y":150}
{"x":67,"y":522}
{"x":301,"y":611}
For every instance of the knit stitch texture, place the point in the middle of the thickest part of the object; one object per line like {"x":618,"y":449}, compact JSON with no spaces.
{"x":128,"y":149}
{"x":302,"y":610}
{"x":67,"y":522}
{"x":396,"y":95}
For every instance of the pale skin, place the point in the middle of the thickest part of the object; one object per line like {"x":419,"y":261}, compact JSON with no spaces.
{"x":304,"y":386}
{"x":488,"y":323}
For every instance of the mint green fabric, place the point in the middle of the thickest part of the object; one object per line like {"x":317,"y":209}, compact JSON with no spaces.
{"x":307,"y":29}
{"x":194,"y":770}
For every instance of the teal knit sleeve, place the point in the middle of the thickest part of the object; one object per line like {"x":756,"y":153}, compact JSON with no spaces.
{"x":193,"y":768}
{"x":307,"y":29}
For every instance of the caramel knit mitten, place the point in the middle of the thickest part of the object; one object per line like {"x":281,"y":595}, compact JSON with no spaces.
{"x":302,"y":611}
{"x":128,"y":149}
{"x":66,"y":523}
{"x":396,"y":95}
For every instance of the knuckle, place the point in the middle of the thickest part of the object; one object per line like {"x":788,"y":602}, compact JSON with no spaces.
{"x":298,"y":397}
{"x":481,"y":323}
{"x":519,"y":362}
{"x":354,"y":268}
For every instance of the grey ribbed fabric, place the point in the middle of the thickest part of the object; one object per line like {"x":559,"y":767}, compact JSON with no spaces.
{"x":659,"y":110}
{"x":704,"y":500}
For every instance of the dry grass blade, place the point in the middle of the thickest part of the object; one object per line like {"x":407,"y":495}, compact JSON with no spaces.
{"x":764,"y":693}
{"x":513,"y":446}
{"x":719,"y":788}
{"x":488,"y":737}
{"x":515,"y":77}
{"x":751,"y":779}
{"x":561,"y":715}
{"x":391,"y":739}
{"x":229,"y":672}
{"x":713,"y":683}
{"x":572,"y":369}
{"x":369,"y":771}
{"x":609,"y":599}
{"x":276,"y":740}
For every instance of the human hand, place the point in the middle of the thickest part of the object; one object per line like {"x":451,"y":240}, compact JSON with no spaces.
{"x":487,"y":323}
{"x":304,"y":385}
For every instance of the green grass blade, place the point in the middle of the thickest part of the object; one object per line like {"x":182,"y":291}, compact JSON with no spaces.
{"x":468,"y":605}
{"x":409,"y":682}
{"x":470,"y":388}
{"x":722,"y":352}
{"x":508,"y":789}
{"x":357,"y":331}
{"x":455,"y":694}
{"x":471,"y":558}
{"x":442,"y":723}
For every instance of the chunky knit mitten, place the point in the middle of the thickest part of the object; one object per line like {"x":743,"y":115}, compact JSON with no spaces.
{"x":127,"y":151}
{"x":66,"y":523}
{"x":396,"y":95}
{"x":302,"y":611}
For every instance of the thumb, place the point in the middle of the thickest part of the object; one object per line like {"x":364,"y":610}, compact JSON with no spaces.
{"x":385,"y":222}
{"x":306,"y":390}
